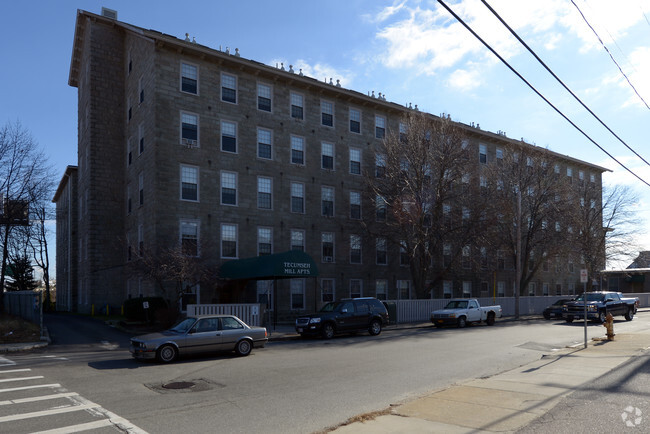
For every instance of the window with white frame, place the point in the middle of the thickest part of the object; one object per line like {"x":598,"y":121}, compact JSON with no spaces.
{"x":190,"y":237}
{"x":264,"y":241}
{"x":189,"y":129}
{"x":264,"y":144}
{"x":592,"y":177}
{"x":327,"y":246}
{"x":298,"y":197}
{"x":355,"y":120}
{"x":380,"y":127}
{"x":297,"y":287}
{"x":532,"y":289}
{"x":466,"y":261}
{"x":298,"y":239}
{"x":327,"y":290}
{"x":327,"y":113}
{"x":482,"y":153}
{"x":265,"y":293}
{"x":327,"y":201}
{"x":403,"y":132}
{"x":356,"y":288}
{"x":228,"y":88}
{"x":569,"y":171}
{"x":141,"y":89}
{"x":228,"y":188}
{"x":189,"y":78}
{"x":446,"y":255}
{"x":228,"y":241}
{"x":327,"y":156}
{"x":228,"y":136}
{"x":355,"y":249}
{"x":545,"y":288}
{"x":467,"y":289}
{"x":380,"y":208}
{"x":297,"y":150}
{"x":297,"y":107}
{"x":189,"y":183}
{"x":381,"y":289}
{"x":355,"y":205}
{"x":501,"y":288}
{"x":404,"y":289}
{"x":499,"y":155}
{"x":264,"y":93}
{"x":355,"y":161}
{"x":403,"y":254}
{"x":264,"y":192}
{"x":380,"y":165}
{"x":382,"y":251}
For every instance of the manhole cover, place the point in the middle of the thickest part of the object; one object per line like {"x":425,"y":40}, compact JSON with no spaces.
{"x":178,"y":385}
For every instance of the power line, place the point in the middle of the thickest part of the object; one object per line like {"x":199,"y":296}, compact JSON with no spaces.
{"x":610,"y":55}
{"x":560,"y":81}
{"x":460,"y":20}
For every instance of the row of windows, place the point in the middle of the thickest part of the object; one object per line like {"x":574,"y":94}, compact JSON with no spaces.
{"x":189,"y":83}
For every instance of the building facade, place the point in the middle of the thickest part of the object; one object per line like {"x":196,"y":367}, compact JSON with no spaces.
{"x":184,"y":145}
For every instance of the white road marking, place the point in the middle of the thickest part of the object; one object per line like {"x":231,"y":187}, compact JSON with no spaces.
{"x":78,"y":428}
{"x":60,"y":410}
{"x":6,"y":362}
{"x":13,"y":389}
{"x":38,"y":398}
{"x":14,"y":370}
{"x":6,"y":380}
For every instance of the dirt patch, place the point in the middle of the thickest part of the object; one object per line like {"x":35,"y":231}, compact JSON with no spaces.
{"x":14,"y":329}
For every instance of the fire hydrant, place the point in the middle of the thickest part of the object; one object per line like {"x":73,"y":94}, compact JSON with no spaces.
{"x":609,"y":325}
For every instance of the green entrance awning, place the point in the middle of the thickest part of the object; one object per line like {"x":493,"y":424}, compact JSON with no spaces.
{"x":286,"y":265}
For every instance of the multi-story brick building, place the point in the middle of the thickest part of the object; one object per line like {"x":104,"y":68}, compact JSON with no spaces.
{"x":181,"y":144}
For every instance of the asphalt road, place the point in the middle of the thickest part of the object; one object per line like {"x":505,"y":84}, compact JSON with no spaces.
{"x":295,"y":386}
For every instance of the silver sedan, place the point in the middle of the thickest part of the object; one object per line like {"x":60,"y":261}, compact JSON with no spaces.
{"x":199,"y":334}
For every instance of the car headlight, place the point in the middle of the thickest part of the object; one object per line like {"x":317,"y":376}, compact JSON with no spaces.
{"x":452,"y":315}
{"x":314,"y":320}
{"x":592,"y":308}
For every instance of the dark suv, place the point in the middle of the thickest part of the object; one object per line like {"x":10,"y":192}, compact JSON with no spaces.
{"x":343,"y":316}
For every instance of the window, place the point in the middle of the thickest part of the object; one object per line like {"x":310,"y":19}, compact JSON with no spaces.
{"x":264,"y":192}
{"x":189,"y":183}
{"x":355,"y":249}
{"x":404,"y":289}
{"x":355,"y":205}
{"x":189,"y":129}
{"x":499,"y":155}
{"x":129,"y":155}
{"x":466,"y":260}
{"x":327,"y":113}
{"x":355,"y":121}
{"x":140,"y":240}
{"x":382,"y":252}
{"x":327,"y":201}
{"x":381,"y":289}
{"x":296,"y":106}
{"x":501,"y":289}
{"x":298,"y":240}
{"x":189,"y":78}
{"x":380,"y":127}
{"x":545,"y":287}
{"x":482,"y":154}
{"x":141,"y":188}
{"x":190,"y":237}
{"x":264,"y":241}
{"x":228,"y":88}
{"x":297,"y":150}
{"x":403,"y":132}
{"x":264,"y":147}
{"x":356,"y":288}
{"x":446,"y":255}
{"x":581,"y":175}
{"x":228,"y":241}
{"x":327,"y":246}
{"x":380,"y":165}
{"x":484,"y":258}
{"x":297,"y":293}
{"x":263,"y":97}
{"x":592,"y":177}
{"x":556,"y":169}
{"x":532,"y":289}
{"x":228,"y":188}
{"x":140,"y":139}
{"x":297,"y":197}
{"x":380,"y":208}
{"x":467,"y":289}
{"x":403,"y":253}
{"x":327,"y":156}
{"x":129,"y":203}
{"x":228,"y":136}
{"x":327,"y":290}
{"x":355,"y":161}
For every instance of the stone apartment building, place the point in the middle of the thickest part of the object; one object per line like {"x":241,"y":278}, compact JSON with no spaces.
{"x":182,"y":144}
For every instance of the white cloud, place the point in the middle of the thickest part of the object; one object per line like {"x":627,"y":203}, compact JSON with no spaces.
{"x":638,"y":73}
{"x":319,"y":71}
{"x":386,"y":13}
{"x":465,"y":79}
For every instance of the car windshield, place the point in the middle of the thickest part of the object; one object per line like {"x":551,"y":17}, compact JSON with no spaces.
{"x":591,"y":297}
{"x":183,"y":326}
{"x":330,"y":307}
{"x":456,"y":304}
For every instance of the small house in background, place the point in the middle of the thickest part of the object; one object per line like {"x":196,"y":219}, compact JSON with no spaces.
{"x":633,"y":279}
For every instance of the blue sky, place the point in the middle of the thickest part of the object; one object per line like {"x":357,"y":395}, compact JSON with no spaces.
{"x":410,"y":51}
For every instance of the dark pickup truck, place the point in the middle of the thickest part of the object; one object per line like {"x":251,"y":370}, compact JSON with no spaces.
{"x":599,"y":304}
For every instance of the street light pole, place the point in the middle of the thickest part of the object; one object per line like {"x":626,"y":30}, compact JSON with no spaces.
{"x":518,"y":256}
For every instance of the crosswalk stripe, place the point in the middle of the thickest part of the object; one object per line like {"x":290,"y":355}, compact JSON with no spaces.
{"x":37,"y":386}
{"x":7,"y":380}
{"x":60,"y":410}
{"x":78,"y":428}
{"x":38,"y":398}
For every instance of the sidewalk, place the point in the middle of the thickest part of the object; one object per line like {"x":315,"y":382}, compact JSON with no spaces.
{"x":510,"y":400}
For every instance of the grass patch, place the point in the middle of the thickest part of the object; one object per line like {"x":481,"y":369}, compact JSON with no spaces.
{"x":14,"y":329}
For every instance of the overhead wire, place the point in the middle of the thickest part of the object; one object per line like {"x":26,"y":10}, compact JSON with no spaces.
{"x":530,"y":50}
{"x":460,"y":20}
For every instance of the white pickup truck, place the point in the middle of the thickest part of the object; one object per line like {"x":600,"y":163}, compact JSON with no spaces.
{"x":463,"y":311}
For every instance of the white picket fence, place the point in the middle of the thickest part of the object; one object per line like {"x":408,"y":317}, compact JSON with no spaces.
{"x":250,"y":313}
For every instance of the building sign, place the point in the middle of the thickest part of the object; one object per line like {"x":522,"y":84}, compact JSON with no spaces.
{"x":297,"y":268}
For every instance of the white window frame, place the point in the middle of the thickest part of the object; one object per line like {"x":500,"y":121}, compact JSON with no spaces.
{"x":297,"y":144}
{"x":185,"y":115}
{"x":384,"y":294}
{"x":352,"y":115}
{"x":360,"y":293}
{"x":184,"y":170}
{"x":323,"y":240}
{"x":223,"y":86}
{"x":296,"y":97}
{"x":301,"y":196}
{"x":322,"y":290}
{"x":222,"y":131}
{"x":401,"y":285}
{"x":355,"y":200}
{"x":261,"y":86}
{"x":236,"y":240}
{"x":356,"y":243}
{"x":325,"y":152}
{"x":292,"y":239}
{"x":324,"y":109}
{"x":327,"y":189}
{"x":195,"y":224}
{"x":355,"y":153}
{"x":261,"y":189}
{"x":381,"y":245}
{"x":296,"y":287}
{"x":482,"y":153}
{"x":182,"y":75}
{"x":221,"y":187}
{"x":380,"y":125}
{"x":265,"y":229}
{"x":264,"y":132}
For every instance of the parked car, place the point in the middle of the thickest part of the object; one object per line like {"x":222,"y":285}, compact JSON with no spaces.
{"x":463,"y":311}
{"x":345,"y":316}
{"x":555,"y":310}
{"x":599,"y":304}
{"x":199,"y":334}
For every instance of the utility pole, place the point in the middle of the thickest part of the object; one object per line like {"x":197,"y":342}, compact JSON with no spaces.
{"x":518,"y":256}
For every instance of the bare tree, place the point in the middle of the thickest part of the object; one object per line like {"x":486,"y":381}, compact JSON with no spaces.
{"x":429,"y":190}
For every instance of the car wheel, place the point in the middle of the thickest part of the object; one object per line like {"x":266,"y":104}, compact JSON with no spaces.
{"x":328,"y":331}
{"x":547,"y":315}
{"x":375,"y":327}
{"x":630,"y":314}
{"x":167,"y":353}
{"x":602,"y":316}
{"x":244,"y":347}
{"x":462,"y":322}
{"x":569,"y":319}
{"x":490,"y":319}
